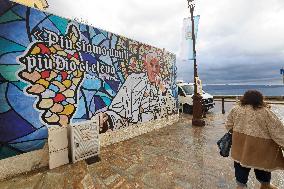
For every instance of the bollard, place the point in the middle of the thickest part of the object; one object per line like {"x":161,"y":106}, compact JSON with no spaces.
{"x":223,"y":107}
{"x":204,"y":112}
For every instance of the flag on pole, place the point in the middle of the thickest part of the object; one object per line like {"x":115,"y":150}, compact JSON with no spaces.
{"x":187,"y":42}
{"x":198,"y":85}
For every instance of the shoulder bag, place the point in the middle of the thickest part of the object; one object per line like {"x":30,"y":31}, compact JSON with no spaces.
{"x":225,"y":144}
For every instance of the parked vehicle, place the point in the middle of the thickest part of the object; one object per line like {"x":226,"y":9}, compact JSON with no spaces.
{"x":185,"y":94}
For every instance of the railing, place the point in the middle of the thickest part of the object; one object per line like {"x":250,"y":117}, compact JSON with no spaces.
{"x":234,"y":98}
{"x":238,"y":96}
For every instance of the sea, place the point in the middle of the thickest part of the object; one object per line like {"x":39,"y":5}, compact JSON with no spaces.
{"x":232,"y":89}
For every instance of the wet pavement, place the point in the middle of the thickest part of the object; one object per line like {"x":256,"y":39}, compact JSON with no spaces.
{"x":177,"y":156}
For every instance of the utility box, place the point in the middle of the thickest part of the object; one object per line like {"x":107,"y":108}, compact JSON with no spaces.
{"x":58,"y":146}
{"x":84,"y":139}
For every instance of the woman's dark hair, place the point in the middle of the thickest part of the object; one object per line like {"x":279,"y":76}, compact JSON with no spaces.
{"x":253,"y":98}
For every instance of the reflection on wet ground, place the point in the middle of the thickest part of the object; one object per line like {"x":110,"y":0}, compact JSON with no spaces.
{"x":177,"y":156}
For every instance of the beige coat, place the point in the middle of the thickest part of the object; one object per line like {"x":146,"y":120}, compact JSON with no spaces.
{"x":258,"y":136}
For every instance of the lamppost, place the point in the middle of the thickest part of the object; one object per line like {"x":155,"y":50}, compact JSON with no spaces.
{"x":282,"y":72}
{"x":197,"y":98}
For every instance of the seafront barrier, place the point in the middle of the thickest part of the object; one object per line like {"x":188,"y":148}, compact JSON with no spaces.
{"x":230,"y":97}
{"x":234,"y":98}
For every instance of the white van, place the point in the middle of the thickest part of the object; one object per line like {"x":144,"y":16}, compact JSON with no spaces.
{"x":185,"y":93}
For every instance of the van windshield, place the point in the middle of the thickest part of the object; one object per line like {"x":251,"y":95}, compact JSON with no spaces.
{"x":188,"y":89}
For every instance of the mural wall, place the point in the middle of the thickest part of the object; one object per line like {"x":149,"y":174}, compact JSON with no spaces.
{"x":39,"y":4}
{"x":55,"y":71}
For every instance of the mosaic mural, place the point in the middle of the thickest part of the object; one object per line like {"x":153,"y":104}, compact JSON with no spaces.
{"x":55,"y":71}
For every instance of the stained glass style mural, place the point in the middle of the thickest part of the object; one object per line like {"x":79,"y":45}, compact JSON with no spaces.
{"x":55,"y":71}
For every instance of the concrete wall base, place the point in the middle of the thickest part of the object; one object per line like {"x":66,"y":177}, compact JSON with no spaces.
{"x":136,"y":130}
{"x":36,"y":159}
{"x":23,"y":163}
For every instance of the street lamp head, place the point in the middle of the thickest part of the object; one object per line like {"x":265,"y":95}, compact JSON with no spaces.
{"x":190,"y":3}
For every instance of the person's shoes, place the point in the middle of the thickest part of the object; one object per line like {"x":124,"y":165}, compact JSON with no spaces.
{"x":268,"y":186}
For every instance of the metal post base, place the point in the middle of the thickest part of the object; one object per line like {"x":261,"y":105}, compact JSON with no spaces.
{"x":197,"y":111}
{"x":198,"y":122}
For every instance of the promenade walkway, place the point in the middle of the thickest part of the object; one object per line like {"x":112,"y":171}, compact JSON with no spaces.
{"x":179,"y":156}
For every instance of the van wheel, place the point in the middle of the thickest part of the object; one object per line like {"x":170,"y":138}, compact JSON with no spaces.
{"x":187,"y":109}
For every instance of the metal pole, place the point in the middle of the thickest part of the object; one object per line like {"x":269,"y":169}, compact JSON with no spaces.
{"x":197,"y":98}
{"x":194,"y":50}
{"x":282,"y":72}
{"x":223,"y":105}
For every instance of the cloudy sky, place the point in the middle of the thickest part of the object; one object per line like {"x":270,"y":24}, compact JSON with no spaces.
{"x":239,"y":41}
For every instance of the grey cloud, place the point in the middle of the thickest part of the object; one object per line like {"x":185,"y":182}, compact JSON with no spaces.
{"x":253,"y":72}
{"x":242,"y":42}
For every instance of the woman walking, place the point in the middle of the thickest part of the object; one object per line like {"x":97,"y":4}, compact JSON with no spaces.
{"x":258,"y":136}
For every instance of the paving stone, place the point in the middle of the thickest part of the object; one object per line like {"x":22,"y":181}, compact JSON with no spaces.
{"x":180,"y":184}
{"x":26,"y":183}
{"x":98,"y":183}
{"x":137,"y":170}
{"x":87,"y":182}
{"x":121,"y":162}
{"x":102,"y":171}
{"x":52,"y":180}
{"x":111,"y":179}
{"x":5,"y":184}
{"x":158,"y":180}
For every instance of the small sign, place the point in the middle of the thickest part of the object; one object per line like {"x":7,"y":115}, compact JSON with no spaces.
{"x":199,"y":85}
{"x":84,"y":140}
{"x":188,"y":35}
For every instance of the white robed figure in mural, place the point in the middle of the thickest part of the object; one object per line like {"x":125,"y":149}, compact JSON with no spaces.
{"x":143,"y":97}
